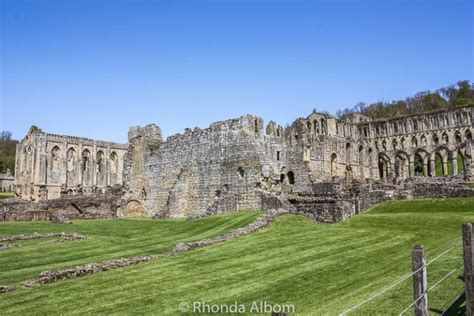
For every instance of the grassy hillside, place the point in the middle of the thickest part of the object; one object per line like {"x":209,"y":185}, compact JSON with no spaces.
{"x":321,"y":269}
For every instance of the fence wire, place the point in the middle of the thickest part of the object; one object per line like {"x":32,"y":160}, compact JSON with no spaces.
{"x":399,"y":281}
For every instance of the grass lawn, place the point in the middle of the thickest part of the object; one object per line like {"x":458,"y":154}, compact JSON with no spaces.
{"x":6,"y":195}
{"x":319,"y":268}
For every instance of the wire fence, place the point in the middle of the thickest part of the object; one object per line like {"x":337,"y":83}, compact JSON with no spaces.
{"x":404,"y":278}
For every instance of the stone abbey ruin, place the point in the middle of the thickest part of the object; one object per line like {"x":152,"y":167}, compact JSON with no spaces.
{"x":326,"y":168}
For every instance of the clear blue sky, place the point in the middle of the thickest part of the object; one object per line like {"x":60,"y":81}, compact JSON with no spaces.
{"x":94,"y":68}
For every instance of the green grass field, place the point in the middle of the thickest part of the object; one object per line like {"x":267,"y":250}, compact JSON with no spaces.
{"x":319,"y":268}
{"x":6,"y":195}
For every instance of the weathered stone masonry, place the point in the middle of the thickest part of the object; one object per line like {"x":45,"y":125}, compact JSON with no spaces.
{"x":321,"y":164}
{"x":326,"y":168}
{"x":49,"y":165}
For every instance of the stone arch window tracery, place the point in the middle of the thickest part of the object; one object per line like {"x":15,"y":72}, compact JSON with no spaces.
{"x":394,"y":144}
{"x":402,"y":142}
{"x":414,"y":141}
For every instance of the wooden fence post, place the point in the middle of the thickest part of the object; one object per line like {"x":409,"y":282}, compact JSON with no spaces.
{"x":420,"y":281}
{"x":468,"y":245}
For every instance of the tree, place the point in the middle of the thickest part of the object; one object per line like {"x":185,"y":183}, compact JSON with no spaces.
{"x":5,"y":135}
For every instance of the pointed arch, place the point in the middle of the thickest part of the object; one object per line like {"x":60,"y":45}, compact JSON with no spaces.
{"x":445,"y":138}
{"x":468,"y":134}
{"x":435,"y":139}
{"x":113,"y":167}
{"x":458,"y":137}
{"x":333,"y":164}
{"x":86,"y":168}
{"x":384,"y":166}
{"x":55,"y":172}
{"x":291,"y":177}
{"x":100,"y":168}
{"x":423,"y":140}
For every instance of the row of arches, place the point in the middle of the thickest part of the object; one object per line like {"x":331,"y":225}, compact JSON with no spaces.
{"x":439,"y":162}
{"x":413,"y":125}
{"x":423,"y":141}
{"x":318,"y":127}
{"x":290,"y":176}
{"x":83,"y":169}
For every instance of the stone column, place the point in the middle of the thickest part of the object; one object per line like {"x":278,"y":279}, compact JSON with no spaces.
{"x":411,"y":163}
{"x":432,"y":166}
{"x":455,"y":164}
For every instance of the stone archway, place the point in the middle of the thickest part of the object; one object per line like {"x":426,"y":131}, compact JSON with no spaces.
{"x":134,"y":209}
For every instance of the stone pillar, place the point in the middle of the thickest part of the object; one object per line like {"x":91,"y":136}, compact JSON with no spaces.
{"x":445,"y":166}
{"x":455,"y":165}
{"x":420,"y":281}
{"x":468,"y":243}
{"x":432,"y":166}
{"x":79,"y":161}
{"x":412,"y":166}
{"x":93,"y":166}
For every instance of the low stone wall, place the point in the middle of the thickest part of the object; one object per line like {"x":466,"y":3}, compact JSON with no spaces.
{"x":62,"y":235}
{"x":73,"y":207}
{"x":437,"y":187}
{"x":47,"y":277}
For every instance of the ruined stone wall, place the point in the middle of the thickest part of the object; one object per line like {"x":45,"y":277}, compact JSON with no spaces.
{"x":418,"y":145}
{"x":97,"y":206}
{"x":217,"y":169}
{"x":221,"y":168}
{"x":319,"y":162}
{"x":49,"y":165}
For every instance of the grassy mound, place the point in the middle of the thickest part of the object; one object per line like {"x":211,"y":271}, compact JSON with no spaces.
{"x":320,"y":269}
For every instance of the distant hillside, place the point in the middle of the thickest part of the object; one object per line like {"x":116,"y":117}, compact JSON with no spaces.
{"x":449,"y":97}
{"x":7,"y":152}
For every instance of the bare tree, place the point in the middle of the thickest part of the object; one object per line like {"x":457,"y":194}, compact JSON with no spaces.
{"x":5,"y":135}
